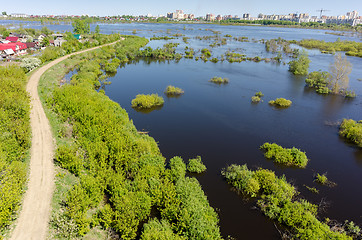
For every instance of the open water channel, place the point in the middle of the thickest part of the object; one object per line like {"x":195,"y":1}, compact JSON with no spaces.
{"x":219,"y":122}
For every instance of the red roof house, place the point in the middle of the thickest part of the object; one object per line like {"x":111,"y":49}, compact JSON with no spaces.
{"x":17,"y":48}
{"x":12,"y":39}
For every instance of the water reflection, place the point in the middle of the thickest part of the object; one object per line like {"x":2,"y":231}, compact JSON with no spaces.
{"x":147,"y":110}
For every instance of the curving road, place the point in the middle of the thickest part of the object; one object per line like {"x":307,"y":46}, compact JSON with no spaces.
{"x":35,"y":214}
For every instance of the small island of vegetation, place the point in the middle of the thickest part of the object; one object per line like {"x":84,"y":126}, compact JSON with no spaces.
{"x":143,"y":101}
{"x":286,"y":156}
{"x":352,"y":131}
{"x":172,"y":91}
{"x":257,"y":97}
{"x":281,"y":102}
{"x":195,"y":165}
{"x":219,"y":80}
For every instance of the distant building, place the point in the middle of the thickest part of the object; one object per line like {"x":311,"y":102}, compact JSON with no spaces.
{"x":352,"y":15}
{"x":218,"y":18}
{"x":304,"y":15}
{"x":210,"y":17}
{"x":246,"y":15}
{"x":19,"y":15}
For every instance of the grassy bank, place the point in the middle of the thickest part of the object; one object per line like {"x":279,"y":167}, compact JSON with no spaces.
{"x":110,"y":176}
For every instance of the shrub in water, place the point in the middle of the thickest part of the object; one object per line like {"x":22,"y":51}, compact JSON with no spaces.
{"x":300,"y":66}
{"x":219,"y":80}
{"x":195,"y":165}
{"x":277,"y":201}
{"x":173,"y":91}
{"x":255,"y":99}
{"x":147,"y":101}
{"x":280,"y":102}
{"x":287,"y":156}
{"x":319,"y":81}
{"x":352,"y":131}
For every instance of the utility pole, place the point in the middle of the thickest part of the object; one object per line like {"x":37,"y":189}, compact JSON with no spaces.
{"x":321,"y":11}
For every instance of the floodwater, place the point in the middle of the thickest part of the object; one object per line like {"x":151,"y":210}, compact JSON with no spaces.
{"x":219,"y":122}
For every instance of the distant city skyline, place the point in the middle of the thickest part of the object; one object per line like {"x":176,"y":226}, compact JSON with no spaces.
{"x":162,"y":7}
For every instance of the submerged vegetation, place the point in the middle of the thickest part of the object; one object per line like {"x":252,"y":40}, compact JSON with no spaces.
{"x":219,"y":80}
{"x":257,"y":97}
{"x":352,"y":131}
{"x":350,"y":47}
{"x":173,"y":91}
{"x":122,"y":182}
{"x":300,"y":66}
{"x":147,"y":101}
{"x":319,"y":81}
{"x":278,"y":200}
{"x":286,"y":156}
{"x":281,"y":102}
{"x":15,"y":141}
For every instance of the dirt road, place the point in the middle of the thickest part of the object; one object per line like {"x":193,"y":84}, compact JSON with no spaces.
{"x":35,"y":214}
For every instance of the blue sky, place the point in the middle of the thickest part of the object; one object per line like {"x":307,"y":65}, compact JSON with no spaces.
{"x":197,"y":7}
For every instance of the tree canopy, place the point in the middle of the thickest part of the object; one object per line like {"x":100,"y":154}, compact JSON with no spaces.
{"x":81,"y":26}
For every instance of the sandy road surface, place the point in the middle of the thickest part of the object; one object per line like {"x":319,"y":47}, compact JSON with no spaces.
{"x":34,"y":216}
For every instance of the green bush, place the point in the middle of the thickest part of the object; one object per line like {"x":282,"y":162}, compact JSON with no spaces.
{"x":195,"y":165}
{"x":255,"y":99}
{"x":15,"y":140}
{"x":286,"y":156}
{"x":322,"y":179}
{"x":352,"y":131}
{"x":173,"y":91}
{"x":159,"y":230}
{"x":259,"y":94}
{"x":319,"y":81}
{"x":300,"y":66}
{"x":147,"y":101}
{"x":277,"y":201}
{"x":178,"y":168}
{"x":281,"y":102}
{"x":219,"y":80}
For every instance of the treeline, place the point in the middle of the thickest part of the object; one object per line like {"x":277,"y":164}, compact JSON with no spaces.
{"x":124,"y":183}
{"x":14,"y":140}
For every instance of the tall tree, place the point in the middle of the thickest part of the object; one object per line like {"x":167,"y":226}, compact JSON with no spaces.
{"x":339,"y":70}
{"x":81,"y":26}
{"x":4,"y":13}
{"x":97,"y":30}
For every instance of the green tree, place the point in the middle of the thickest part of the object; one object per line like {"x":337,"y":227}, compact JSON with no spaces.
{"x":4,"y":13}
{"x":339,"y":71}
{"x":46,"y":31}
{"x":97,"y":30}
{"x":301,"y":65}
{"x":81,"y":26}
